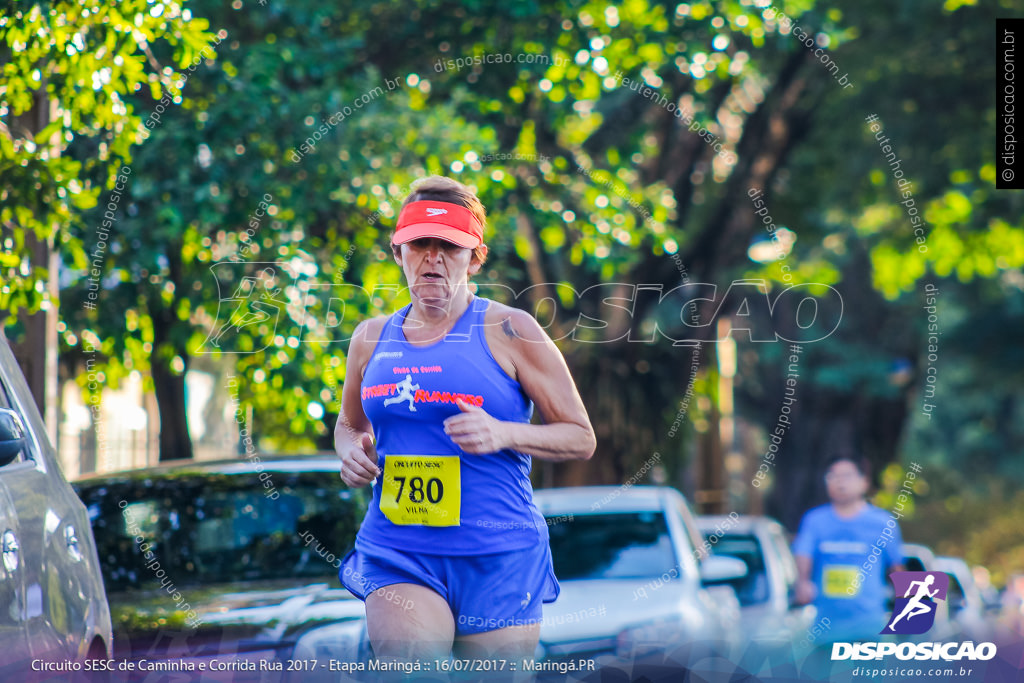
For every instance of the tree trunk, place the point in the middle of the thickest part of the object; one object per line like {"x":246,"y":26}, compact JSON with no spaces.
{"x":37,"y":351}
{"x":633,"y":411}
{"x":824,"y":424}
{"x":175,"y":441}
{"x":865,"y":417}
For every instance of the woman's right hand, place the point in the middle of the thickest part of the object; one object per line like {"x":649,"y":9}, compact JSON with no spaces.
{"x":358,"y":461}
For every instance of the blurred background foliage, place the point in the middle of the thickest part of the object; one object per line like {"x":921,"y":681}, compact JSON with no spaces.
{"x":656,"y":205}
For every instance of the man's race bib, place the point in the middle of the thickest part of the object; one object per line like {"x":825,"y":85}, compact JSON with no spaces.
{"x":422,"y":489}
{"x":837,"y":581}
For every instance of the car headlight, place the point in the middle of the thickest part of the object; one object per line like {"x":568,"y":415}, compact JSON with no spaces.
{"x":648,"y":637}
{"x":341,"y":640}
{"x":343,"y":643}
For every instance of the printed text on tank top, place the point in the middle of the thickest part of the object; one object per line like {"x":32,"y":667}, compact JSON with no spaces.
{"x":431,"y":493}
{"x":421,"y":489}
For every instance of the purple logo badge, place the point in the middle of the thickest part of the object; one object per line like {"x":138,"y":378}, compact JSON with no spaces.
{"x":916,"y":595}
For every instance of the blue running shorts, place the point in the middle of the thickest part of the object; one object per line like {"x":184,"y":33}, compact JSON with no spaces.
{"x":484,"y":592}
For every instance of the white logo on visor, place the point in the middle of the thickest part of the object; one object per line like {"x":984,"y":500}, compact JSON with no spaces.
{"x":436,"y":212}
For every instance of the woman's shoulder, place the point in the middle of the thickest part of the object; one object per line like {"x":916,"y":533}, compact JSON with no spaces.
{"x":366,"y":336}
{"x":369,"y":331}
{"x":514,"y":323}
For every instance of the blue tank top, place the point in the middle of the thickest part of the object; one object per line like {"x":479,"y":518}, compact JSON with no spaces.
{"x":407,"y":392}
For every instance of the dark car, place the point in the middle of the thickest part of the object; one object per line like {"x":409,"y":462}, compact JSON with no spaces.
{"x":52,"y":605}
{"x":231,"y":564}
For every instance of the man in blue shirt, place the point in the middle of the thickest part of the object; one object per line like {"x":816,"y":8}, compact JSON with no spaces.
{"x":844,"y":551}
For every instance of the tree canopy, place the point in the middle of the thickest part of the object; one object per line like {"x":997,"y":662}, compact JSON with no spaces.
{"x":614,"y":144}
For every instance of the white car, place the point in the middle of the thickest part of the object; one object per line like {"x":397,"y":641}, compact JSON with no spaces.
{"x":967,"y":609}
{"x":53,"y":607}
{"x":634,"y":586}
{"x":766,"y":593}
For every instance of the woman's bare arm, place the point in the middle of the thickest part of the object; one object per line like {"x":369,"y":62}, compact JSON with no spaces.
{"x":525,"y":351}
{"x":353,"y":438}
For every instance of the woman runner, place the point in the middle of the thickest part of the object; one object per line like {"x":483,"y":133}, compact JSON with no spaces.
{"x":453,"y":554}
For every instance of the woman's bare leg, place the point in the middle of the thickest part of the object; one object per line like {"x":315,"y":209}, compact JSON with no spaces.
{"x":407,"y":621}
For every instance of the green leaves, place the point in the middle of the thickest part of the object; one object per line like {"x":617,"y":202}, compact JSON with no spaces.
{"x":332,"y":112}
{"x":74,"y":64}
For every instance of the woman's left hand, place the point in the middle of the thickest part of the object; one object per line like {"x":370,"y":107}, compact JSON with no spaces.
{"x":474,"y":431}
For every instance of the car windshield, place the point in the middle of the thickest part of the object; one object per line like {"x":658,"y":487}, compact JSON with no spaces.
{"x":627,"y":545}
{"x":210,"y":528}
{"x":753,"y":588}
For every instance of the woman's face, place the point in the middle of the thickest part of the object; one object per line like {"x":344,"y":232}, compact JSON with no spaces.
{"x":435,"y":269}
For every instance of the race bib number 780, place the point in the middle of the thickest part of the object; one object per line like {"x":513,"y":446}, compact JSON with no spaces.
{"x":422,"y":489}
{"x":839,"y":581}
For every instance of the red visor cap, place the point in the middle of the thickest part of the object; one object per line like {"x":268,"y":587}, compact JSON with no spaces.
{"x":444,"y":220}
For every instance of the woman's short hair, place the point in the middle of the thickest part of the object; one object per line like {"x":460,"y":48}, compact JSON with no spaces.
{"x":441,"y":189}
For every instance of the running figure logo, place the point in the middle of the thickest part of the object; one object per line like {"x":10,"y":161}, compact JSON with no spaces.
{"x":406,"y":392}
{"x":914,"y":612}
{"x":257,"y":302}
